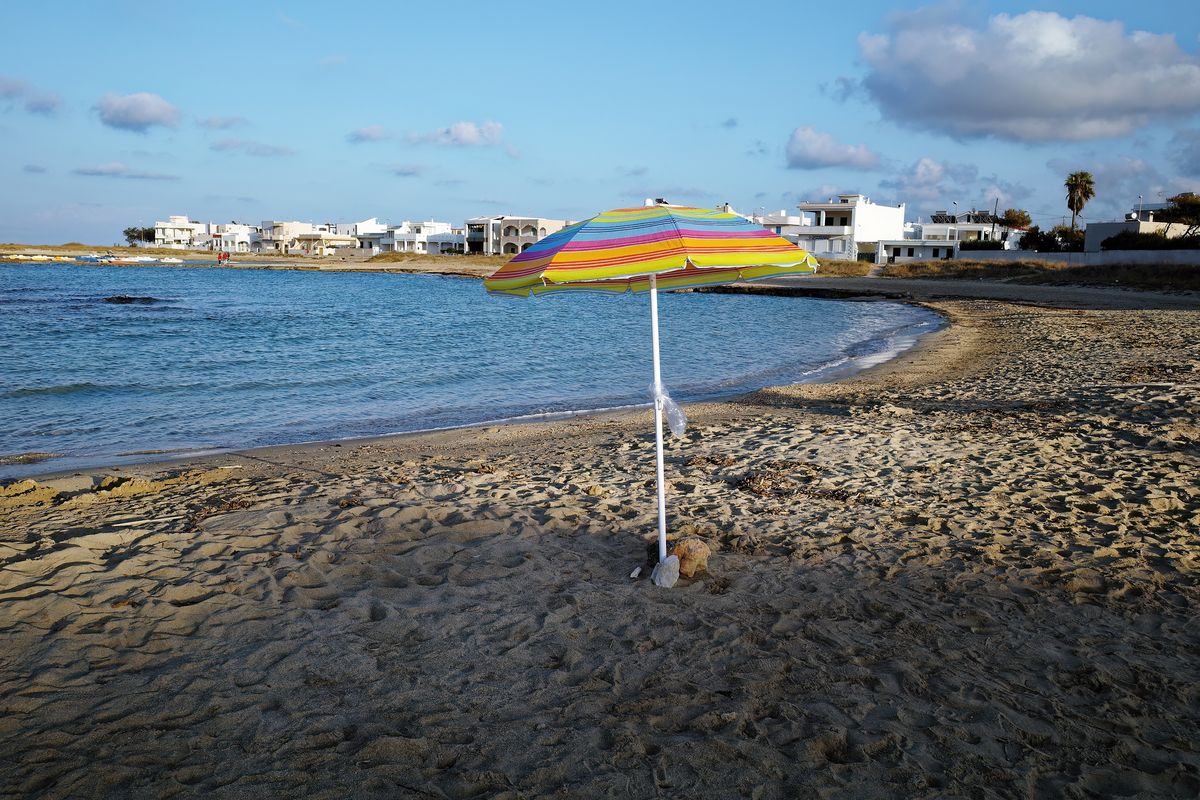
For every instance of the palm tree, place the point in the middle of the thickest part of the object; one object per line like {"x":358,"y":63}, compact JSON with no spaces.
{"x":1080,"y":189}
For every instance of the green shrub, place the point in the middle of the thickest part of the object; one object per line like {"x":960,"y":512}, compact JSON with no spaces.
{"x":1130,"y":240}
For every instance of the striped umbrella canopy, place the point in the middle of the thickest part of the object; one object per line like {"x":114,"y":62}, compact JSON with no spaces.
{"x":619,"y":250}
{"x":642,"y":250}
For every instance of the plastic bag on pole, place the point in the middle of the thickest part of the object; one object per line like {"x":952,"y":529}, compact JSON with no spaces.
{"x":676,"y":419}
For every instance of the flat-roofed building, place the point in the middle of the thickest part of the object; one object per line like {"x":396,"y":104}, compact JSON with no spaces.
{"x":429,"y":237}
{"x":844,"y":223}
{"x":233,"y":237}
{"x":892,"y":251}
{"x":974,"y":226}
{"x":517,"y":234}
{"x":781,"y":223}
{"x":180,"y":233}
{"x":323,"y":243}
{"x":482,"y":235}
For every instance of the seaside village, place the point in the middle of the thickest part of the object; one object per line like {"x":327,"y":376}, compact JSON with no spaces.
{"x":845,"y":227}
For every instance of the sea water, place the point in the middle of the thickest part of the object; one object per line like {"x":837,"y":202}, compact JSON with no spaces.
{"x":202,"y":359}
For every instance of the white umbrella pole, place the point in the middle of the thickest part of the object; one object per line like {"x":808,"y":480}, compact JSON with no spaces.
{"x":658,"y":423}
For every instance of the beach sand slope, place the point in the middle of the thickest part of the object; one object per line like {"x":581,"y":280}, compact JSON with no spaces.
{"x":968,"y":573}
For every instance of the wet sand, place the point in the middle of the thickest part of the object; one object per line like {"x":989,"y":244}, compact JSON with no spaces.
{"x":970,"y":572}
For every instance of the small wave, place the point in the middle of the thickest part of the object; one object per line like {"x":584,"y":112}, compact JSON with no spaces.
{"x":125,"y":299}
{"x":37,"y":391}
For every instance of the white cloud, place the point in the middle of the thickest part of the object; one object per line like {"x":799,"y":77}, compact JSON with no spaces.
{"x":408,"y":170}
{"x":463,"y":134}
{"x":1032,"y":77}
{"x":812,"y":149}
{"x":671,"y":194}
{"x":817,"y":194}
{"x":115,"y":169}
{"x":251,"y":148}
{"x":928,"y":180}
{"x":221,"y":123}
{"x":335,"y":60}
{"x":929,"y":185}
{"x":371,"y":133}
{"x":36,"y":102}
{"x":136,"y":112}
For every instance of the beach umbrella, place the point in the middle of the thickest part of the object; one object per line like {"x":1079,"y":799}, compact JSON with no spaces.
{"x":643,"y":250}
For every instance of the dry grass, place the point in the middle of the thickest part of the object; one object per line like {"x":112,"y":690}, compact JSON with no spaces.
{"x":846,"y":269}
{"x":1140,"y":276}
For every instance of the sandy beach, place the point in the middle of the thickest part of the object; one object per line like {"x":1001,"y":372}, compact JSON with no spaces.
{"x":970,"y":572}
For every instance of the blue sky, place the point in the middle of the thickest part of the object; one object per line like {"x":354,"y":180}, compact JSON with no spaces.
{"x":122,"y":113}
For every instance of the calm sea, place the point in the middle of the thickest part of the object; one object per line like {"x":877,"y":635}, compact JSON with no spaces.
{"x":208,"y":359}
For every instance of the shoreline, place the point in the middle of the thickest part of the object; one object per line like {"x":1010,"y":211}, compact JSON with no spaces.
{"x":848,"y":368}
{"x":968,"y":570}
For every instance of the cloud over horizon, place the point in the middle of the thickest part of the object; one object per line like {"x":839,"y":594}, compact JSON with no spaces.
{"x":222,"y":123}
{"x":138,"y":112}
{"x":36,"y":102}
{"x":670,"y":193}
{"x":929,"y":185}
{"x":1032,"y":77}
{"x":462,"y":134}
{"x":250,"y":148}
{"x":809,"y":148}
{"x":370,"y":133}
{"x":116,"y":169}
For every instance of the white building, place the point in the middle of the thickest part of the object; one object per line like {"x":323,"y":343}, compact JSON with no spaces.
{"x":453,"y":241}
{"x":518,"y":233}
{"x":483,"y":235}
{"x":180,"y":233}
{"x":322,"y":241}
{"x":423,"y":237}
{"x":232,"y":238}
{"x":282,"y":237}
{"x":780,"y":223}
{"x":843,"y":224}
{"x":366,"y":233}
{"x":892,"y":251}
{"x":507,"y":235}
{"x":975,"y":226}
